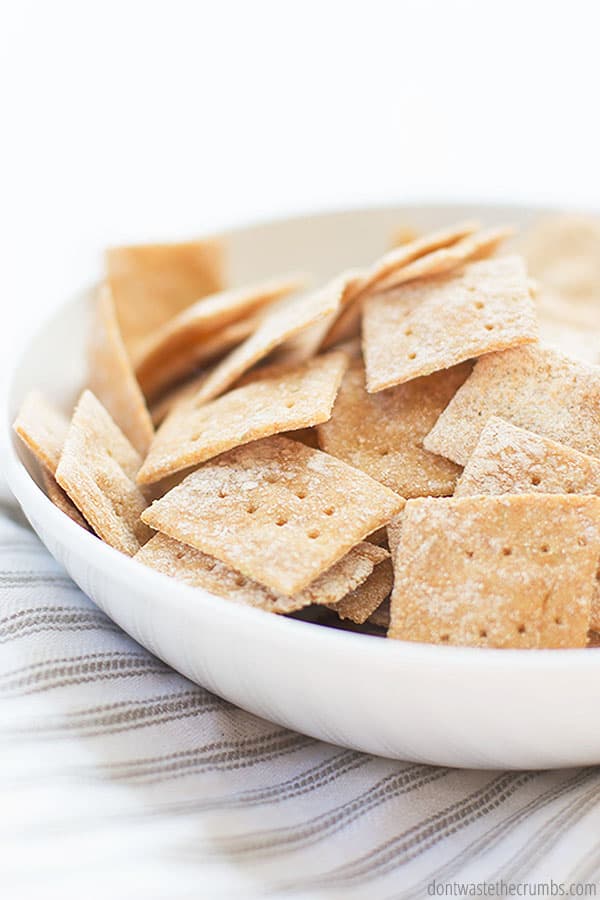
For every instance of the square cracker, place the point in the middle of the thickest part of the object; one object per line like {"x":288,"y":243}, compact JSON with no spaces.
{"x":97,"y":469}
{"x":181,"y":338}
{"x":435,"y":323}
{"x":279,"y":512}
{"x":346,"y":324}
{"x":153,"y":282}
{"x":363,"y":601}
{"x":288,"y":318}
{"x":510,"y":460}
{"x":533,"y":387}
{"x":293,"y":398}
{"x":382,"y":433}
{"x":111,"y":378}
{"x":197,"y":569}
{"x":510,"y":571}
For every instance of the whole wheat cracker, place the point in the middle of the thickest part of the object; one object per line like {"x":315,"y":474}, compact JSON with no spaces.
{"x":394,"y":530}
{"x":160,"y":408}
{"x":110,"y":375}
{"x":294,"y":398}
{"x":177,"y":346}
{"x":276,"y":510}
{"x":97,"y":469}
{"x":497,"y":571}
{"x":437,"y":322}
{"x":534,"y":387}
{"x":151,"y":283}
{"x":382,"y":433}
{"x":380,"y":617}
{"x":345,"y":324}
{"x":360,"y":604}
{"x":60,"y":499}
{"x":283,"y":321}
{"x":197,"y":569}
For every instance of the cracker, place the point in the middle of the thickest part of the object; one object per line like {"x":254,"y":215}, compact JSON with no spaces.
{"x":394,"y":530}
{"x":294,"y":398}
{"x":195,"y":568}
{"x":288,"y":318}
{"x":56,"y":494}
{"x":111,"y":378}
{"x":97,"y":470}
{"x":510,"y":571}
{"x":534,"y":387}
{"x":382,"y":433}
{"x":152,"y":283}
{"x":380,"y":617}
{"x":563,"y":251}
{"x":435,"y":323}
{"x":178,"y":345}
{"x":362,"y":602}
{"x":276,"y":510}
{"x":43,"y":428}
{"x":345,"y":325}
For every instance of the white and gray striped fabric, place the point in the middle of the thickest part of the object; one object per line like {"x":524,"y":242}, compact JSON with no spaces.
{"x":120,"y":778}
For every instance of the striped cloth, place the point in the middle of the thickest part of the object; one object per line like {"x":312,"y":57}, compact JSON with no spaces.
{"x":121,"y":779}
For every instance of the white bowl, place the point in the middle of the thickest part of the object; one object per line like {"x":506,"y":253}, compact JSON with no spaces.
{"x":443,"y":705}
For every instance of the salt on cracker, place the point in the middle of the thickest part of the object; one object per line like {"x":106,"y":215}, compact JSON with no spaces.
{"x":279,"y":512}
{"x":360,"y":604}
{"x":152,"y":283}
{"x":437,"y":322}
{"x":510,"y":571}
{"x":294,"y":398}
{"x":111,"y":378}
{"x":197,"y":569}
{"x":181,"y":337}
{"x":345,"y":325}
{"x":97,"y":470}
{"x":382,"y":433}
{"x":43,"y":428}
{"x":533,"y":387}
{"x":287,"y":319}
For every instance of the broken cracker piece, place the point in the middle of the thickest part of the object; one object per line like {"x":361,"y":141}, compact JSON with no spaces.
{"x":382,"y":433}
{"x":151,"y":283}
{"x":279,"y":512}
{"x":111,"y":378}
{"x":195,"y":568}
{"x":435,"y":323}
{"x":97,"y":470}
{"x":509,"y":571}
{"x":534,"y":387}
{"x":293,"y":398}
{"x":360,"y":604}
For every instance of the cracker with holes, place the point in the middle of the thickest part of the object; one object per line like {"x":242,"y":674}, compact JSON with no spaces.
{"x":151,"y":283}
{"x":435,"y":323}
{"x":97,"y":469}
{"x":289,"y":318}
{"x":360,"y":604}
{"x":277,"y":511}
{"x":282,"y":401}
{"x":197,"y":569}
{"x":534,"y":387}
{"x":43,"y":428}
{"x":111,"y":378}
{"x":508,"y":571}
{"x":382,"y":433}
{"x":200,"y":331}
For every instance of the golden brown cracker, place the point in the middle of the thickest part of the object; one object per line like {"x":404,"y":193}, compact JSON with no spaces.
{"x":42,"y":427}
{"x":382,"y":433}
{"x":294,"y":398}
{"x":360,"y":604}
{"x":276,"y":510}
{"x":435,"y":323}
{"x":111,"y":378}
{"x":195,"y":568}
{"x":97,"y":470}
{"x":508,"y":571}
{"x":533,"y":387}
{"x":60,"y":499}
{"x":380,"y":617}
{"x":151,"y":283}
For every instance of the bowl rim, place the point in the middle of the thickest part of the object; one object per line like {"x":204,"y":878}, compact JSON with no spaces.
{"x":29,"y":494}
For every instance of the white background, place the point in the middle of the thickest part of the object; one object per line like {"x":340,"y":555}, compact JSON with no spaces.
{"x":128,"y":121}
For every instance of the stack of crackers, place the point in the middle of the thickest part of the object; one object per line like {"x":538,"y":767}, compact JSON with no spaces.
{"x":395,"y":449}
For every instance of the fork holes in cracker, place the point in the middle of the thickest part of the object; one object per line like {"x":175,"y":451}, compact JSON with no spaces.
{"x":535,"y":480}
{"x":412,"y":355}
{"x":544,"y":548}
{"x":521,"y":629}
{"x":506,"y":551}
{"x":489,"y":327}
{"x":482,"y":633}
{"x":313,"y":534}
{"x":281,"y":521}
{"x":301,"y":495}
{"x":329,"y":511}
{"x":290,"y":404}
{"x":479,"y":304}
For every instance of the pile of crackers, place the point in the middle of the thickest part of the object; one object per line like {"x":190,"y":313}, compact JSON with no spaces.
{"x":395,"y":451}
